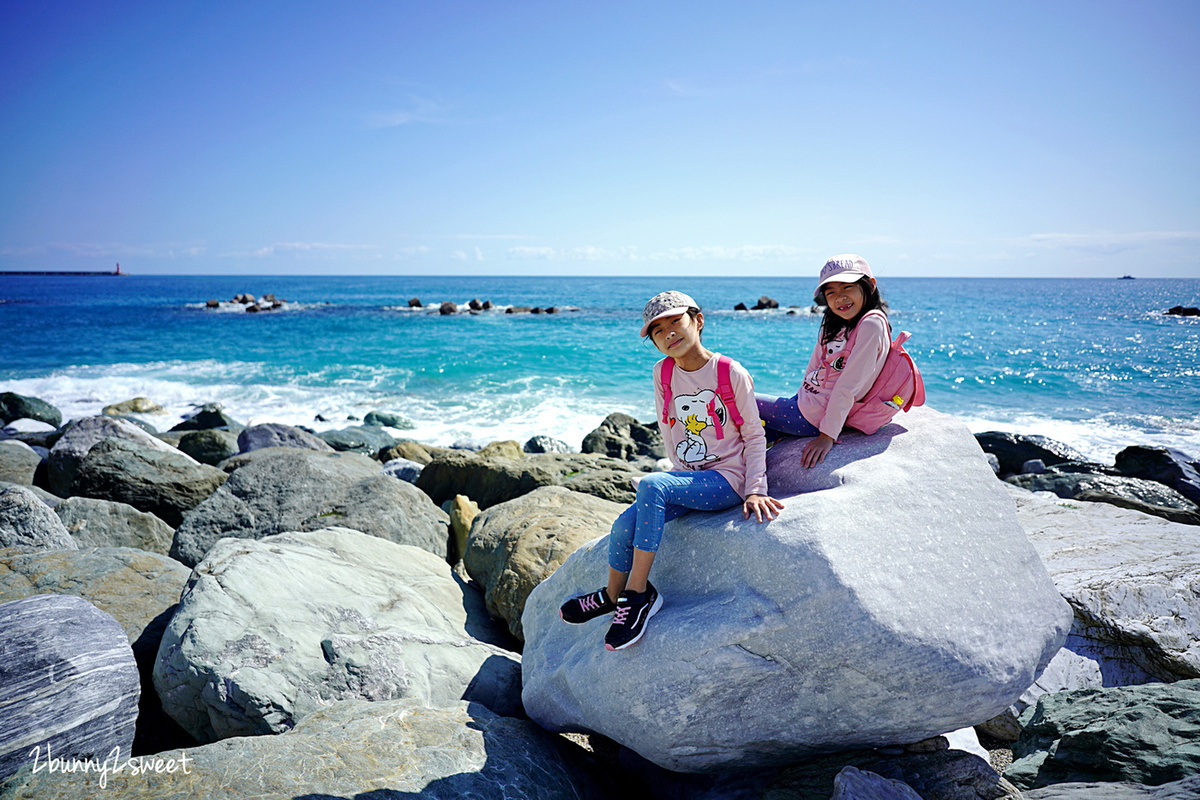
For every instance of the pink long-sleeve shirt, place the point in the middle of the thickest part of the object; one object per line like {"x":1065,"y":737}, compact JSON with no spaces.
{"x":690,"y":433}
{"x":855,"y":359}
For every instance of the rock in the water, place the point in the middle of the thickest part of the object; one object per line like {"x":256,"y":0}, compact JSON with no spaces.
{"x":18,"y":462}
{"x":1014,"y":449}
{"x":210,"y":416}
{"x":17,"y":406}
{"x":622,"y":436}
{"x":136,"y":405}
{"x":276,"y":434}
{"x":1186,"y":789}
{"x":268,"y":632}
{"x":516,"y":545}
{"x":103,"y":523}
{"x":388,"y":419}
{"x":68,"y":682}
{"x":289,"y":489}
{"x":370,"y":751}
{"x":1143,"y":734}
{"x":164,"y":483}
{"x":1164,"y":465}
{"x":766,"y":302}
{"x":365,"y":439}
{"x":211,"y":446}
{"x":80,"y":436}
{"x":854,"y":784}
{"x":1130,"y":579}
{"x":489,"y":480}
{"x":403,"y":469}
{"x":546,"y":444}
{"x":896,"y":597}
{"x":27,"y":522}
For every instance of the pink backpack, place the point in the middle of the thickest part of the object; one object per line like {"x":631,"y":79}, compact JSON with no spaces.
{"x":724,"y":391}
{"x":899,"y":387}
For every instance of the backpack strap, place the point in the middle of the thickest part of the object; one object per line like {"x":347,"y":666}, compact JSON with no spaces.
{"x":725,"y":392}
{"x":664,"y":378}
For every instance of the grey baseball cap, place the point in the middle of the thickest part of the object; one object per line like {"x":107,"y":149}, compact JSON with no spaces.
{"x":665,"y":304}
{"x":846,"y":268}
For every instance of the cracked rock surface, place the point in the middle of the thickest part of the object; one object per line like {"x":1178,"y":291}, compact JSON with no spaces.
{"x":895,"y":598}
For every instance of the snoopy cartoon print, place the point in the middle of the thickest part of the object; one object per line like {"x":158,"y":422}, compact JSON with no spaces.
{"x":696,"y":412}
{"x":831,"y":360}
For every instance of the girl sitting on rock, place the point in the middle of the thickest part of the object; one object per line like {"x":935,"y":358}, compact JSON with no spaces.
{"x":710,"y":425}
{"x":848,"y":357}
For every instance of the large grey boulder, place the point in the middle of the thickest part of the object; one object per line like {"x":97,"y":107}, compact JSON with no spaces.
{"x":1165,"y":465}
{"x":290,"y":489}
{"x":164,"y":483}
{"x":18,"y":462}
{"x":103,"y":523}
{"x":375,"y":751}
{"x":493,"y":479}
{"x":1143,"y":734}
{"x":1131,"y":581}
{"x":27,"y":522}
{"x":210,"y":416}
{"x":516,"y":545}
{"x":68,"y":682}
{"x":1070,"y":484}
{"x":267,"y":632}
{"x":1014,"y":449}
{"x":15,"y":406}
{"x":365,"y":439}
{"x":389,"y":419}
{"x":896,"y":597}
{"x":80,"y":436}
{"x":276,"y":434}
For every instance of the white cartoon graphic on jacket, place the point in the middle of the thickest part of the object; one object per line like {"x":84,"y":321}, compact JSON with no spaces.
{"x":693,"y":411}
{"x":836,"y":362}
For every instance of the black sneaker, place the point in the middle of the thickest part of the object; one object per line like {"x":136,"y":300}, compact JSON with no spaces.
{"x":634,"y":610}
{"x":586,"y":606}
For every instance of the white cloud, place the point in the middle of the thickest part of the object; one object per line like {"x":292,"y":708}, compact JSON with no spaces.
{"x":458,"y":255}
{"x":1110,"y":242}
{"x":749,"y":252}
{"x":108,"y":250}
{"x":523,"y":251}
{"x":308,"y":248}
{"x":478,"y":254}
{"x":420,"y":110}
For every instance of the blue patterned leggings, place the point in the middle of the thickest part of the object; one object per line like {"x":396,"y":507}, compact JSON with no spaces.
{"x":663,"y":496}
{"x":783,"y":415}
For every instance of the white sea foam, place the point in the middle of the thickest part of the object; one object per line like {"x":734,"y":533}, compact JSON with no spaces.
{"x":229,"y":307}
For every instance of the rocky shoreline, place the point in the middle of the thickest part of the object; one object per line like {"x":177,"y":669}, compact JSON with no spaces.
{"x":296,"y":613}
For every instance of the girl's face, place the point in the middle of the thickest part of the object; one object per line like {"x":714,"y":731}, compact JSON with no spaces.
{"x":674,"y":336}
{"x":844,"y":299}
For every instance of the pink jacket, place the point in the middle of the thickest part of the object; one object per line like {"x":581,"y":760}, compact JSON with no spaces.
{"x":690,"y":434}
{"x":854,"y":359}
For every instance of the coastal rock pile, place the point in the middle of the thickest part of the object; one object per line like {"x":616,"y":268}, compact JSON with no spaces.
{"x":755,"y":618}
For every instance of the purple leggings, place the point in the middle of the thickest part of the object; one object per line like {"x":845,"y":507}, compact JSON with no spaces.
{"x":782,"y":414}
{"x":661,"y":497}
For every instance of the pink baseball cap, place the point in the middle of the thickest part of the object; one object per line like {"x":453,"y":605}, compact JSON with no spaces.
{"x":846,"y":268}
{"x":665,"y":304}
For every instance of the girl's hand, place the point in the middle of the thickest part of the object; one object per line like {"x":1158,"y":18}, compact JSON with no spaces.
{"x":762,"y":506}
{"x":815,"y":451}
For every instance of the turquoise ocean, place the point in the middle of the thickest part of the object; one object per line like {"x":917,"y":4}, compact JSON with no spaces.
{"x":1094,"y":363}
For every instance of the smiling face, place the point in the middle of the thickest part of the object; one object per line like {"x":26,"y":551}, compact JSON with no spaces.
{"x":678,"y":335}
{"x":843,"y":299}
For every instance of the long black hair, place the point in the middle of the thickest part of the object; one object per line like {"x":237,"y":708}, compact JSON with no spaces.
{"x":832,"y":324}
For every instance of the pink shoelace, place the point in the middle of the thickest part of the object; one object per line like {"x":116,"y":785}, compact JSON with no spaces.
{"x":589,"y":603}
{"x":619,"y":617}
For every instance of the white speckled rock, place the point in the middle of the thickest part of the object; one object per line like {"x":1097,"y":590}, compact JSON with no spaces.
{"x":895,"y":598}
{"x":392,"y":749}
{"x":1133,"y":581}
{"x":25,"y":521}
{"x":270,"y":630}
{"x":68,"y":681}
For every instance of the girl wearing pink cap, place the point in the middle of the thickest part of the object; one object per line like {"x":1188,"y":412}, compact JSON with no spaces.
{"x":848,"y":357}
{"x":709,"y":422}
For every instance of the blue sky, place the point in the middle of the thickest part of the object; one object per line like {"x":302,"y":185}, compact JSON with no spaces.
{"x":963,"y":139}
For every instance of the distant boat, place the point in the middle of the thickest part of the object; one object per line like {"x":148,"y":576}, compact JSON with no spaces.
{"x":1126,"y":278}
